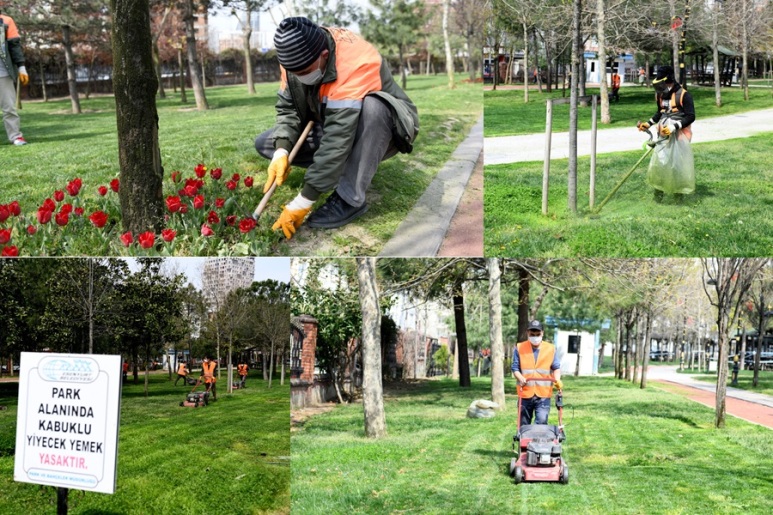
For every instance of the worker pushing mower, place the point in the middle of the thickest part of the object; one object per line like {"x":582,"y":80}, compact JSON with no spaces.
{"x":538,"y":369}
{"x":337,"y":82}
{"x":671,"y":169}
{"x":195,"y":399}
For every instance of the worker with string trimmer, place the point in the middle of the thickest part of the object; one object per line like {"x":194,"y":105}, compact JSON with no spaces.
{"x":337,"y":80}
{"x":671,"y":166}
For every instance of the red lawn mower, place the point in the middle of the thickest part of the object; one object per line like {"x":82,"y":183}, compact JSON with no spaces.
{"x":195,"y":399}
{"x":539,"y":448}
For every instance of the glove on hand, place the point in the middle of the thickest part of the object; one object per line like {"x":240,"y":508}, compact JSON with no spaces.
{"x":643,"y":126}
{"x":667,"y":129}
{"x":559,"y":385}
{"x":278,"y":169}
{"x":290,"y":220}
{"x":23,"y":77}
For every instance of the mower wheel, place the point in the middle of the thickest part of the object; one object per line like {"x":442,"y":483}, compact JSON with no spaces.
{"x":518,"y":475}
{"x":513,"y":463}
{"x":565,"y":475}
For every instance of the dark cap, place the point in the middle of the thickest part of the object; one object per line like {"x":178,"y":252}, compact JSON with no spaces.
{"x":299,"y":42}
{"x":665,"y":73}
{"x":534,"y":325}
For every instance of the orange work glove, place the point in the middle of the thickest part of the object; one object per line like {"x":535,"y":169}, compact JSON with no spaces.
{"x":278,"y":169}
{"x":643,"y":126}
{"x":559,"y":385}
{"x":290,"y":220}
{"x":23,"y":77}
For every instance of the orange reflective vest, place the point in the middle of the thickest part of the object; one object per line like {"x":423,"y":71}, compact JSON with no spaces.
{"x":540,"y":369}
{"x":615,"y":81}
{"x":181,"y":370}
{"x":242,"y":369}
{"x":208,"y":371}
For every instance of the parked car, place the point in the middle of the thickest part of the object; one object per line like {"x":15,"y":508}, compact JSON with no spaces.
{"x":15,"y":369}
{"x":659,"y":355}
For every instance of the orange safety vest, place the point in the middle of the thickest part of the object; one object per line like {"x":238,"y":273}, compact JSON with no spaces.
{"x":540,"y":369}
{"x":208,"y":371}
{"x":615,"y":81}
{"x":242,"y":369}
{"x":181,"y":369}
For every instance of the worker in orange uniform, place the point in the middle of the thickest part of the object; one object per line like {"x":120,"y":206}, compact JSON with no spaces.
{"x":242,"y":369}
{"x":208,"y":375}
{"x":536,"y":367}
{"x":615,"y":86}
{"x":182,"y":373}
{"x":11,"y":68}
{"x":335,"y":78}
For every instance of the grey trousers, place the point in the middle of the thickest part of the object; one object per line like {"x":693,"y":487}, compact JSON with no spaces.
{"x":372,"y":144}
{"x":8,"y":106}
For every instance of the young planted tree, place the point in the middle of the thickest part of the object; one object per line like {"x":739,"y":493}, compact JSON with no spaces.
{"x":372,"y":388}
{"x":495,"y":336}
{"x":194,"y":66}
{"x":135,"y":85}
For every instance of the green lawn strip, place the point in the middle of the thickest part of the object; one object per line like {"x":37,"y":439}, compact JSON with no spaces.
{"x":230,"y":457}
{"x":727,"y":216}
{"x":745,"y":377}
{"x":628,"y":450}
{"x":507,"y":115}
{"x":63,"y":146}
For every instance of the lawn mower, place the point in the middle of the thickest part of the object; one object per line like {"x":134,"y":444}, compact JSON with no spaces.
{"x":539,"y":448}
{"x":195,"y":399}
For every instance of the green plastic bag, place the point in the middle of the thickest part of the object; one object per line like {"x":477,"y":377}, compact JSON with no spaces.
{"x":672,"y":169}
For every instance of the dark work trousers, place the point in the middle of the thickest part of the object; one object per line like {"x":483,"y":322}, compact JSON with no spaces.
{"x":372,"y":144}
{"x":536,"y":407}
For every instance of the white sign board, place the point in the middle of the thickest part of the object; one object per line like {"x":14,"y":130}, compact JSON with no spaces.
{"x":67,"y":425}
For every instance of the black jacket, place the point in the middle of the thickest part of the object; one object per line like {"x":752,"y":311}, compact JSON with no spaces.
{"x":677,"y":105}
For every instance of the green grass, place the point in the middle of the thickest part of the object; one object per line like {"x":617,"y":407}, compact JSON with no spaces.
{"x":629,"y":452}
{"x":507,"y":115}
{"x":230,"y":457}
{"x":63,"y":146}
{"x":728,"y":215}
{"x":765,"y":383}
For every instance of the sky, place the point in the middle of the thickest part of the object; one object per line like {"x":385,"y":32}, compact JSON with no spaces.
{"x":265,"y":268}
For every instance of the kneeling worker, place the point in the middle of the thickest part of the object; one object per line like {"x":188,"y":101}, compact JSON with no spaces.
{"x":340,"y":81}
{"x":534,"y":360}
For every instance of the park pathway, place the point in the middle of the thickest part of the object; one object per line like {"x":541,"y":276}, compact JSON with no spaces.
{"x":531,"y":147}
{"x":750,"y":406}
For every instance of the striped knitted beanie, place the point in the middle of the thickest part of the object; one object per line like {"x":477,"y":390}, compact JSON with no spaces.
{"x":298,"y":43}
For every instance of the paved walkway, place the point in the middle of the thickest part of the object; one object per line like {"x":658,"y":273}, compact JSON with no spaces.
{"x":750,"y":406}
{"x":423,"y":230}
{"x":531,"y":147}
{"x":465,"y":234}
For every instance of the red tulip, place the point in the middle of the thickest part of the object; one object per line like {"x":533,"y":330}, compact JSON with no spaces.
{"x":184,"y":208}
{"x":216,"y":173}
{"x":5,"y":236}
{"x":31,"y":230}
{"x":78,"y":211}
{"x":198,"y":202}
{"x":5,"y":213}
{"x":10,"y":251}
{"x":14,"y":208}
{"x":231,"y":185}
{"x":190,"y":190}
{"x":176,"y":176}
{"x":200,"y":170}
{"x":230,"y":220}
{"x":102,"y":190}
{"x":236,"y":177}
{"x":44,"y":216}
{"x":62,"y":218}
{"x":206,"y":230}
{"x":74,"y":187}
{"x":59,"y":195}
{"x":246,"y":225}
{"x":248,"y":181}
{"x":219,"y":202}
{"x":212,"y":218}
{"x":173,"y":204}
{"x":146,"y":239}
{"x":66,"y":208}
{"x":98,"y":218}
{"x":114,"y":184}
{"x":168,"y":234}
{"x":49,"y":204}
{"x":127,"y":239}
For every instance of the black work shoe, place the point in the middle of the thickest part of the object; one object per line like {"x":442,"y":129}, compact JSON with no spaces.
{"x":335,"y":212}
{"x":659,"y":196}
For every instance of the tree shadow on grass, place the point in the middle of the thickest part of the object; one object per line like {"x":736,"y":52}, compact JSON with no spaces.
{"x":255,"y":101}
{"x":641,"y":409}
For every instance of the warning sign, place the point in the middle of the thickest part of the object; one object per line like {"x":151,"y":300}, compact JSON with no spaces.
{"x":67,"y":426}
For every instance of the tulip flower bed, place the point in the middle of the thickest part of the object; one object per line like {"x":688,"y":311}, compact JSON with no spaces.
{"x":203,"y":216}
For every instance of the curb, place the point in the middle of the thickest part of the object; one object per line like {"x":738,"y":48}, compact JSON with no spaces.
{"x":422,"y":231}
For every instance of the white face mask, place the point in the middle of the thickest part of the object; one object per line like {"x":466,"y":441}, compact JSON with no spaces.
{"x":535,"y":340}
{"x":313,"y":78}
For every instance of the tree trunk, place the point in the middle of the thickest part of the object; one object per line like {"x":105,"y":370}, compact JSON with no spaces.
{"x":744,"y":53}
{"x":602,"y":43}
{"x":461,"y":334}
{"x":646,"y":359}
{"x":372,"y":389}
{"x":43,"y":81}
{"x":159,"y":78}
{"x":674,"y":39}
{"x":282,"y":376}
{"x":271,"y":366}
{"x":715,"y":53}
{"x":495,"y":333}
{"x":525,"y":64}
{"x":69,"y":59}
{"x":719,"y":415}
{"x":574,"y":88}
{"x":579,"y":356}
{"x":134,"y":85}
{"x":247,"y":34}
{"x":637,"y":354}
{"x":447,"y":44}
{"x":230,"y":369}
{"x":193,"y":59}
{"x":524,"y":286}
{"x":403,"y":77}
